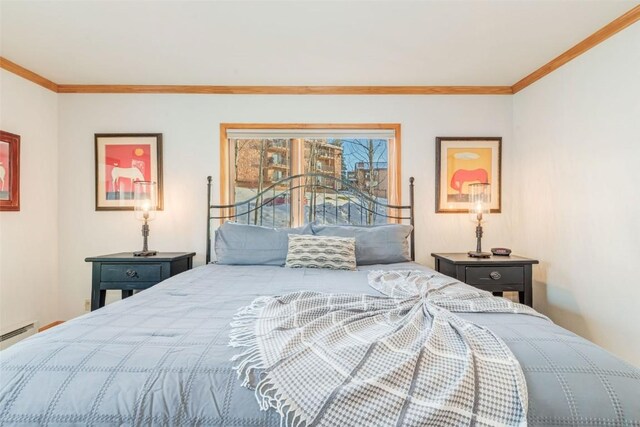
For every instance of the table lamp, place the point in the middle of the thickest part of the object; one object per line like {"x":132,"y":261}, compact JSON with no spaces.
{"x":145,"y":202}
{"x":479,"y":205}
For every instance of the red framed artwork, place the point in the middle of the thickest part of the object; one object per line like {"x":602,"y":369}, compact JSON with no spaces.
{"x":9,"y":171}
{"x":121,"y":160}
{"x":461,"y":161}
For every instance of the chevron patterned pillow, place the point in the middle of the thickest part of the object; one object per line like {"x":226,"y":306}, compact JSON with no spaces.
{"x":335,"y":253}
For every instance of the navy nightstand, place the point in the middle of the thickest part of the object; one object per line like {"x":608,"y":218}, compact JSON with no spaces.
{"x":129,"y":273}
{"x":495,"y":274}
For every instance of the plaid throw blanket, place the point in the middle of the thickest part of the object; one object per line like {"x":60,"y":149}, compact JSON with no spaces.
{"x":403,"y":359}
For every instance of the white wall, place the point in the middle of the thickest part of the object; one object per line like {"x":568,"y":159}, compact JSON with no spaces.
{"x":577,"y":199}
{"x":29,"y":238}
{"x":190,"y":124}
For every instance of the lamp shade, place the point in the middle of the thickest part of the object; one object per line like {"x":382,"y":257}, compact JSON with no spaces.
{"x":479,"y":200}
{"x":145,"y":200}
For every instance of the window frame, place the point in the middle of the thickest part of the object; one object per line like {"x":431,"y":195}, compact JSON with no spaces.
{"x":394,"y":158}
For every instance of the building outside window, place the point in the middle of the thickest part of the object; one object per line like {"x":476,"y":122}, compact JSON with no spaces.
{"x":360,"y":159}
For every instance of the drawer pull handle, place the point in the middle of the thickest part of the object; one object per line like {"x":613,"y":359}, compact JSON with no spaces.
{"x":495,"y":275}
{"x":132,"y":273}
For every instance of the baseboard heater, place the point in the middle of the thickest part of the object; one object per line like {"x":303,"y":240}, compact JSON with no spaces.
{"x":12,"y":337}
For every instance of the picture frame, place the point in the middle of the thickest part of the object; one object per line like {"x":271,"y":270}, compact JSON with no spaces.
{"x":122,"y":159}
{"x":461,"y":161}
{"x":9,"y":171}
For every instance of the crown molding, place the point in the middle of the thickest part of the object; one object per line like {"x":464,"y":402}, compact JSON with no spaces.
{"x":594,"y":39}
{"x":19,"y":70}
{"x":290,"y":90}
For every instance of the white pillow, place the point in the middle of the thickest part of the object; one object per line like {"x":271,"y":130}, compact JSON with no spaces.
{"x":335,"y":253}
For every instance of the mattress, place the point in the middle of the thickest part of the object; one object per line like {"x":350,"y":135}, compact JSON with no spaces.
{"x":161,"y":357}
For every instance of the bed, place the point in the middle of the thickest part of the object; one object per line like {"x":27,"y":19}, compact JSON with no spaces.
{"x":161,"y":357}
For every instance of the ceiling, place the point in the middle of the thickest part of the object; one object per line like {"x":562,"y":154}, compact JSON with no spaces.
{"x":394,"y":42}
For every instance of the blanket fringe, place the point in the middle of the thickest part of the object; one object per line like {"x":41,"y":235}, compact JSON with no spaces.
{"x":243,"y":335}
{"x":268,"y":398}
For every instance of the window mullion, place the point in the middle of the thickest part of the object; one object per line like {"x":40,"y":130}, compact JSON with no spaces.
{"x":297,"y":168}
{"x":393,"y":178}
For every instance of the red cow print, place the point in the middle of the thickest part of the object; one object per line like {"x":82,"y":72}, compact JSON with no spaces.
{"x":464,"y":175}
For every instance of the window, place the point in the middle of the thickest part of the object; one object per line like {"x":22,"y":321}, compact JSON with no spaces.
{"x":261,"y":157}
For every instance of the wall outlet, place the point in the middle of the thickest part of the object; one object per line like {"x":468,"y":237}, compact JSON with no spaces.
{"x":87,"y":305}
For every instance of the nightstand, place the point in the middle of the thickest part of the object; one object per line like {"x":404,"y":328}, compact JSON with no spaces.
{"x":129,"y":273}
{"x":496,"y":274}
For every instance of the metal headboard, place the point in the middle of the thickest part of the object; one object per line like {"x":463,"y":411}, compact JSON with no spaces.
{"x":360,"y":207}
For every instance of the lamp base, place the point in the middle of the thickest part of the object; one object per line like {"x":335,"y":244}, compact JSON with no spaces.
{"x":479,"y":254}
{"x":145,"y":253}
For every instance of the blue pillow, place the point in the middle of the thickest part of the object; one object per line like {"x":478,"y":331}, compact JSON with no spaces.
{"x":242,"y":244}
{"x":380,"y":244}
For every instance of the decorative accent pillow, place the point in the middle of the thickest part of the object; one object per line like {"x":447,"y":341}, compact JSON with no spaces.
{"x":379,"y":244}
{"x":243,"y":244}
{"x":335,"y":253}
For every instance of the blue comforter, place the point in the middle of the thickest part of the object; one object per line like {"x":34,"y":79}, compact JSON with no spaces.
{"x":161,"y":357}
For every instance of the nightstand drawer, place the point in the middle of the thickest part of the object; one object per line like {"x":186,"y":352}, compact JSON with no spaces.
{"x":494,"y":275}
{"x":131,"y":272}
{"x":496,"y":287}
{"x":127,"y":286}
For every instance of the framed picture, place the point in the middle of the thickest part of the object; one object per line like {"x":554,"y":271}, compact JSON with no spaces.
{"x":9,"y":171}
{"x":463,"y":161}
{"x":121,"y":160}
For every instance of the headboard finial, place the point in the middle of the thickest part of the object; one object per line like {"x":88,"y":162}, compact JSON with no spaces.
{"x":208,"y":255}
{"x":412,"y":219}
